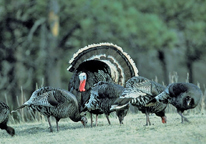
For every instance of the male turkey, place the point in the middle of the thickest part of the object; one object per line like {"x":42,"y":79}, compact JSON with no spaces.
{"x":55,"y":102}
{"x":181,"y":95}
{"x":103,"y":95}
{"x":98,"y":62}
{"x":138,"y":92}
{"x":4,"y":117}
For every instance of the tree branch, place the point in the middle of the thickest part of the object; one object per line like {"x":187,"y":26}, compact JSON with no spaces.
{"x":64,"y":39}
{"x":29,"y":23}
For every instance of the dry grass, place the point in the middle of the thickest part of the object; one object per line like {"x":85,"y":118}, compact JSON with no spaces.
{"x":133,"y":131}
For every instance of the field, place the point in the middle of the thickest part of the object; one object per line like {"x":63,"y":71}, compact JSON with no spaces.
{"x":132,"y":131}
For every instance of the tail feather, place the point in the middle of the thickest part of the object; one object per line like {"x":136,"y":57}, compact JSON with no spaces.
{"x":151,"y":103}
{"x":116,"y":107}
{"x":22,"y":106}
{"x":162,"y":97}
{"x":139,"y":84}
{"x":120,"y":63}
{"x":122,"y":101}
{"x":131,"y":93}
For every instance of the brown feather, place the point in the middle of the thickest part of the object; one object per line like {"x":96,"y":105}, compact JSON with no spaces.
{"x":120,"y":63}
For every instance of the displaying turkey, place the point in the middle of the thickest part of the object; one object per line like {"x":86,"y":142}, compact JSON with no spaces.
{"x":181,"y":95}
{"x":98,"y":62}
{"x":138,"y":92}
{"x":55,"y":102}
{"x":103,"y":95}
{"x":4,"y":117}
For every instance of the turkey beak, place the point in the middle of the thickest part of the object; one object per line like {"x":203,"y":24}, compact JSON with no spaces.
{"x":83,"y":123}
{"x":188,"y":100}
{"x":121,"y":121}
{"x":164,"y":119}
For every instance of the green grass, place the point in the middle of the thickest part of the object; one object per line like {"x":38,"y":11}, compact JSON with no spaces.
{"x":132,"y":131}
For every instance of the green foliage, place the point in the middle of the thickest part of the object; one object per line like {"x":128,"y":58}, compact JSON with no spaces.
{"x":115,"y":22}
{"x":140,"y":28}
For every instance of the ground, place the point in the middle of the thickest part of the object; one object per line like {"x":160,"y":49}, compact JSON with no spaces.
{"x":132,"y":131}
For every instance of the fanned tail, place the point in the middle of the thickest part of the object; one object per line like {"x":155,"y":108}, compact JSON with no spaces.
{"x":120,"y":64}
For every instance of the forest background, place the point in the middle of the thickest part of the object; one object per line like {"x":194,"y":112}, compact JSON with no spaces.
{"x":165,"y":38}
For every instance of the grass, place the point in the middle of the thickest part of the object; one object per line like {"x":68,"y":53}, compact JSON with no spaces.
{"x":132,"y":131}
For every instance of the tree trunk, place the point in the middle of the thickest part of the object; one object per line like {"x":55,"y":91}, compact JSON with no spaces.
{"x":53,"y":64}
{"x":53,"y":59}
{"x":190,"y":58}
{"x":161,"y":57}
{"x":189,"y":67}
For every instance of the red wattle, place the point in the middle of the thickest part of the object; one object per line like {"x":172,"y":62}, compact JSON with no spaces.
{"x":164,"y":120}
{"x":82,"y":85}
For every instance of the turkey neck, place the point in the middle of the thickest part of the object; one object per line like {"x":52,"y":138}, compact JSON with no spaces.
{"x":76,"y":116}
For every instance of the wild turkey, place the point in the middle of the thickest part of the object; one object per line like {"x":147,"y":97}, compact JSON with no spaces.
{"x":181,"y":95}
{"x":138,"y":92}
{"x":103,"y":95}
{"x":4,"y":117}
{"x":98,"y":62}
{"x":55,"y":102}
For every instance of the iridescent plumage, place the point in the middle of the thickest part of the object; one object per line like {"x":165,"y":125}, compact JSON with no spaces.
{"x":181,"y":95}
{"x":99,"y":62}
{"x":138,"y":92}
{"x":55,"y":102}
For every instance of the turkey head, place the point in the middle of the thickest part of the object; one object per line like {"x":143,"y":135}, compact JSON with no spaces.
{"x":82,"y":79}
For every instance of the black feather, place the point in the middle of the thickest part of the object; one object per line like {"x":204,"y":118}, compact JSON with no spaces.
{"x":101,"y":62}
{"x":181,"y":95}
{"x":138,"y":92}
{"x":103,"y":96}
{"x":4,"y":117}
{"x":179,"y":92}
{"x":55,"y":102}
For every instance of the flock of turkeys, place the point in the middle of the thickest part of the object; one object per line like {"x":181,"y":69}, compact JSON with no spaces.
{"x":105,"y":79}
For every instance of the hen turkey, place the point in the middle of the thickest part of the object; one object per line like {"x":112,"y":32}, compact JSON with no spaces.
{"x":103,"y":95}
{"x":98,"y":62}
{"x":4,"y":117}
{"x":138,"y":92}
{"x":181,"y":95}
{"x":55,"y":102}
